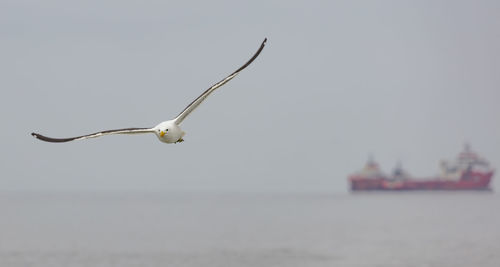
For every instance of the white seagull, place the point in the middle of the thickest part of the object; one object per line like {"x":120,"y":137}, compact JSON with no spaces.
{"x":167,"y":131}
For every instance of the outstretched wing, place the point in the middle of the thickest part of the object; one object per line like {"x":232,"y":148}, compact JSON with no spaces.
{"x":117,"y":131}
{"x":207,"y":92}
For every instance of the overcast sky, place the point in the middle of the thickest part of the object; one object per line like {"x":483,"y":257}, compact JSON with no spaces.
{"x":407,"y":81}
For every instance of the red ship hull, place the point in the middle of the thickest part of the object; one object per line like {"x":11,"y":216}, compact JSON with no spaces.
{"x":471,"y":181}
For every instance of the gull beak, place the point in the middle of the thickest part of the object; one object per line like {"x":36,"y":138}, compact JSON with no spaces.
{"x":162,"y":133}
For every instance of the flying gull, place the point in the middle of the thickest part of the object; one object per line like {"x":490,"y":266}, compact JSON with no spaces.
{"x":167,"y":131}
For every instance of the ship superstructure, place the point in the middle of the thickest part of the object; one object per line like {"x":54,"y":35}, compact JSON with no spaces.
{"x":468,"y":172}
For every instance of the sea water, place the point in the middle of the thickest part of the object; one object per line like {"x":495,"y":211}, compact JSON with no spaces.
{"x":420,"y":229}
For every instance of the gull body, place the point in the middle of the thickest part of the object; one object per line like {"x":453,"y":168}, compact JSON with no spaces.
{"x":167,"y":131}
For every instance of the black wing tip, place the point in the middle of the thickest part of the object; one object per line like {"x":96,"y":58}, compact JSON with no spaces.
{"x":253,"y":57}
{"x":38,"y":136}
{"x":49,"y":139}
{"x":263,"y":43}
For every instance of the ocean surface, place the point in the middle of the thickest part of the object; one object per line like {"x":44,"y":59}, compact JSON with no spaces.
{"x":208,"y":229}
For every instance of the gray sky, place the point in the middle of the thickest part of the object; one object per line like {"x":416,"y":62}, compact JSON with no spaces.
{"x":337,"y":81}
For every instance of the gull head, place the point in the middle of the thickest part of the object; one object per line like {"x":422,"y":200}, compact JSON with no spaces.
{"x":168,"y":132}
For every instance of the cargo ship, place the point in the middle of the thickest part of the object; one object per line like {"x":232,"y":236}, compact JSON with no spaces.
{"x":468,"y":172}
